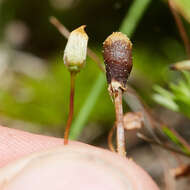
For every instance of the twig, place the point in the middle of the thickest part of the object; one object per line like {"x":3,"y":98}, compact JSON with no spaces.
{"x":151,"y":141}
{"x":180,"y":27}
{"x":61,"y":28}
{"x":96,"y":59}
{"x":65,"y":32}
{"x":71,"y":108}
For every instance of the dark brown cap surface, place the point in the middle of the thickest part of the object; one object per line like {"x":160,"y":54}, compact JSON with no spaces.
{"x":117,"y":52}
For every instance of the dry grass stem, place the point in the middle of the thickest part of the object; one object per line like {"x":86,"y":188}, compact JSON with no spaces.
{"x":151,"y":141}
{"x":180,"y":27}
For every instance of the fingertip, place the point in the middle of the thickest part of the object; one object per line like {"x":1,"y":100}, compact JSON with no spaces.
{"x":15,"y":144}
{"x":80,"y":167}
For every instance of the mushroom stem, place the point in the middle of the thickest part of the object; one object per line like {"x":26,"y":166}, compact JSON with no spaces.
{"x":119,"y":122}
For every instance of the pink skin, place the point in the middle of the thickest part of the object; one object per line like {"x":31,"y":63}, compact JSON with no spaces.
{"x":31,"y":161}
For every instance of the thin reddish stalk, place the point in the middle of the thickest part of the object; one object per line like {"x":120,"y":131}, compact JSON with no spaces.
{"x":119,"y":123}
{"x":180,"y":27}
{"x":110,"y":136}
{"x":71,"y":108}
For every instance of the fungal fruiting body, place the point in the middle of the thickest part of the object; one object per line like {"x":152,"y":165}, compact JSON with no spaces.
{"x":117,"y":52}
{"x":74,"y":58}
{"x":76,"y":49}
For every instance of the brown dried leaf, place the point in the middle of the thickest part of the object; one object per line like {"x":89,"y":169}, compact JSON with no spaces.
{"x":133,"y":120}
{"x":181,"y":171}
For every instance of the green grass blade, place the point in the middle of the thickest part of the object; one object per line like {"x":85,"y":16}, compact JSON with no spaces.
{"x":132,"y":18}
{"x":175,"y":139}
{"x":84,"y":113}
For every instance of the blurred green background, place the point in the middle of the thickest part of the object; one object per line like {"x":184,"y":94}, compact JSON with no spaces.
{"x":34,"y":83}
